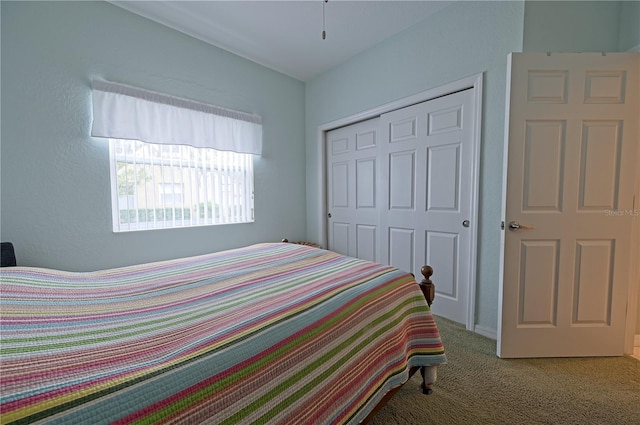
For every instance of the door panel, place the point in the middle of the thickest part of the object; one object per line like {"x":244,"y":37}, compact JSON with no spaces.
{"x":340,"y":237}
{"x":444,"y":252}
{"x":443,"y":177}
{"x":572,"y":140}
{"x":340,"y":185}
{"x":366,"y":183}
{"x":402,"y":179}
{"x":539,"y":283}
{"x":599,"y":165}
{"x":592,"y":294}
{"x":544,"y":157}
{"x":367,"y":243}
{"x":401,"y":248}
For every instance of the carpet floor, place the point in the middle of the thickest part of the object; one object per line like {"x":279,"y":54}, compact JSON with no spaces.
{"x":476,"y":387}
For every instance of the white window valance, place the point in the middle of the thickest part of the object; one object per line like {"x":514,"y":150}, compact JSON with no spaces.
{"x":125,"y":112}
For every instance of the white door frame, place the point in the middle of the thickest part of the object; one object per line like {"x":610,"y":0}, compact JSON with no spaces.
{"x":475,"y":82}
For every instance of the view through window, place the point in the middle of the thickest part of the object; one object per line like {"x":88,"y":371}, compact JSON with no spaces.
{"x":164,"y":186}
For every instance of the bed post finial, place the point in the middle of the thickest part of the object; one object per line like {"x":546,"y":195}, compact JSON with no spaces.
{"x":429,"y":291}
{"x":427,"y":286}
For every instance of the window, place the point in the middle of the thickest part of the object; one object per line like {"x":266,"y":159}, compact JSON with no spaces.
{"x":175,"y":162}
{"x":164,"y":186}
{"x":171,"y":193}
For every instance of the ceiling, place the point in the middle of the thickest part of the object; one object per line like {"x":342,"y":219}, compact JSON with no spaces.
{"x":287,"y":35}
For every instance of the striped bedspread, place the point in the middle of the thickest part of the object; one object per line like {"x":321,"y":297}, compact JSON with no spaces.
{"x":271,"y":333}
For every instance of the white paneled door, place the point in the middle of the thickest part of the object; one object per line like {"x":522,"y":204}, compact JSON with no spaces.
{"x":399,"y":192}
{"x":572,"y":140}
{"x":426,"y":170}
{"x":352,"y":164}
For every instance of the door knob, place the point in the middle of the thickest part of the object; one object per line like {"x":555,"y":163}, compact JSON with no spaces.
{"x":514,"y":225}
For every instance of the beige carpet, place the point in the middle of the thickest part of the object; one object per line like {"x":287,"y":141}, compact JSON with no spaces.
{"x":476,"y":387}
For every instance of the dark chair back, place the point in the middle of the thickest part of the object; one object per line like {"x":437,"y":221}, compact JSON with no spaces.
{"x":8,"y":255}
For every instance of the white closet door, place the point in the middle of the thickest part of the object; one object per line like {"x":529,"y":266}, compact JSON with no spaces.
{"x":426,"y":170}
{"x":352,"y":195}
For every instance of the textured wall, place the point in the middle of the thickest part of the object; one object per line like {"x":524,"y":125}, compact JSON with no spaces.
{"x":55,"y":189}
{"x":629,"y":38}
{"x":571,"y":26}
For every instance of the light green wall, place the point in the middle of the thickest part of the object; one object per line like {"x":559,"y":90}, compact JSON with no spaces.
{"x":582,"y":26}
{"x":629,"y":36}
{"x":462,"y":40}
{"x":55,"y":196}
{"x":571,"y":26}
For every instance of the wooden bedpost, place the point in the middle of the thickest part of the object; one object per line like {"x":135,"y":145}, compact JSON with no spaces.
{"x":429,"y":374}
{"x":427,"y":286}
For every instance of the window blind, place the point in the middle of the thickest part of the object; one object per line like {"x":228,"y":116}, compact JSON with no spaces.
{"x":160,"y":186}
{"x":126,"y":112}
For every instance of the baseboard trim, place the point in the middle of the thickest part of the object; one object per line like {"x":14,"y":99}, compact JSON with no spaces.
{"x":491,"y":333}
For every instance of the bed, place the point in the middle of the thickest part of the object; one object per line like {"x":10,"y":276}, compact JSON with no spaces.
{"x":270,"y":333}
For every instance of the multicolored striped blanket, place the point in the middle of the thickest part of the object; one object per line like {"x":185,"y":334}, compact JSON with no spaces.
{"x":271,"y":333}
